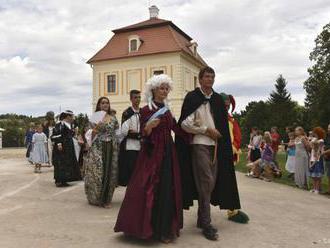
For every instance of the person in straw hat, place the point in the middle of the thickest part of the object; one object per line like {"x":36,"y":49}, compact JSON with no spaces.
{"x":66,"y":167}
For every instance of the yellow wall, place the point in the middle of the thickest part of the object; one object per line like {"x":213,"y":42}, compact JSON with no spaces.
{"x":138,"y":70}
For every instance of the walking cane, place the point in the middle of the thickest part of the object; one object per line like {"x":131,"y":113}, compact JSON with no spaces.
{"x":215,"y":153}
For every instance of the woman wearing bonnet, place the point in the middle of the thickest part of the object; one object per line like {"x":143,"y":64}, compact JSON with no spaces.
{"x":152,"y":203}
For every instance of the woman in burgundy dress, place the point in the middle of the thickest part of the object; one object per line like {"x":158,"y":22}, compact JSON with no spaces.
{"x":152,"y":204}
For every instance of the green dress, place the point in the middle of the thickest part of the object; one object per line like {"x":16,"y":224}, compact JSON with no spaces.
{"x":100,"y":163}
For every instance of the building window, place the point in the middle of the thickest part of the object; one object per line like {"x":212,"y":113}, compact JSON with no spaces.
{"x":195,"y":50}
{"x":112,"y":84}
{"x":133,"y":45}
{"x":158,"y":72}
{"x":195,"y":82}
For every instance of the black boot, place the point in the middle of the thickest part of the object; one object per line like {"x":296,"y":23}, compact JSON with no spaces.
{"x":210,"y":233}
{"x":199,"y":225}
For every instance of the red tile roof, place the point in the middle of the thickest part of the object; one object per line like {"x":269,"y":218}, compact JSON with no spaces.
{"x":157,"y":35}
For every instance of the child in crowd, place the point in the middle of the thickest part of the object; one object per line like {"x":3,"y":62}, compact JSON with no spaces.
{"x":254,"y":147}
{"x":291,"y":150}
{"x":316,"y":168}
{"x":39,"y":149}
{"x":310,"y":136}
{"x":265,"y":165}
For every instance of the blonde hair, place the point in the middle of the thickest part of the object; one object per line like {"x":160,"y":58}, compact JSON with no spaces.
{"x":301,"y":130}
{"x":267,"y":137}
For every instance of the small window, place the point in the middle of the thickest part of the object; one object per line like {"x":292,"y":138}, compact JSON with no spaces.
{"x":158,"y":72}
{"x":112,"y":84}
{"x":133,"y":45}
{"x":195,"y":50}
{"x":195,"y":82}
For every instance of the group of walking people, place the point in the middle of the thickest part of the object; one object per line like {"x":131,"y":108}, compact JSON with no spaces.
{"x":163,"y":176}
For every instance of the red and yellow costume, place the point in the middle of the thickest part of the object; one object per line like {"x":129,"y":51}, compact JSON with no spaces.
{"x":234,"y":128}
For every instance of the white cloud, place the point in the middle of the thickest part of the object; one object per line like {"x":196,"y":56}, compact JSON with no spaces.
{"x":44,"y":45}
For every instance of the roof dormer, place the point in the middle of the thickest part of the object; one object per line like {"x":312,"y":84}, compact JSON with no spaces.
{"x":134,"y":43}
{"x":193,"y":47}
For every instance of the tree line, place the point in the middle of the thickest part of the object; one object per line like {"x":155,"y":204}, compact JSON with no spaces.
{"x":16,"y":126}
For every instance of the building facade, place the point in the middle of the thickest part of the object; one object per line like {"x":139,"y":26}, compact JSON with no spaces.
{"x":139,"y":51}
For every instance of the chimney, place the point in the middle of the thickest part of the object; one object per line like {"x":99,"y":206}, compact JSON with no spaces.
{"x":154,"y":11}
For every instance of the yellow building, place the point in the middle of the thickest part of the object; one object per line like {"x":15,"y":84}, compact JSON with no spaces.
{"x":137,"y":52}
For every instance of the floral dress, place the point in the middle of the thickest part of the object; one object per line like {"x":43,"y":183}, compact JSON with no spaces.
{"x":100,"y":163}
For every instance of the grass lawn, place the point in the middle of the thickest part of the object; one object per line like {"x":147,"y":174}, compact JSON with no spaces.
{"x":281,"y":158}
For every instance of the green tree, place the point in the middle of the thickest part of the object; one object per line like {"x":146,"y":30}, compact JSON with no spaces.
{"x":317,"y":86}
{"x":282,"y":110}
{"x":16,"y":126}
{"x":82,"y":122}
{"x":256,"y":114}
{"x":280,"y":95}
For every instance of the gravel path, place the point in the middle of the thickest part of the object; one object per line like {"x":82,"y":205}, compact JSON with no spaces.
{"x":34,"y":213}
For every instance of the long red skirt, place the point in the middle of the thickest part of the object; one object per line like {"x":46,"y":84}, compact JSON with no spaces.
{"x":152,"y":204}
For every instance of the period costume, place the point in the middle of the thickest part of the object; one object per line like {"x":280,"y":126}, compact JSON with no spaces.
{"x":207,"y":167}
{"x":39,"y":151}
{"x":66,"y":168}
{"x":152,"y":205}
{"x":234,"y":128}
{"x":101,"y":163}
{"x":48,"y":127}
{"x":28,"y":142}
{"x":130,"y":146}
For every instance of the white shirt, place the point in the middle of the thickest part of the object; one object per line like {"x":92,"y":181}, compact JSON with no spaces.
{"x":132,"y":124}
{"x":256,"y":141}
{"x":67,"y":124}
{"x":198,"y":122}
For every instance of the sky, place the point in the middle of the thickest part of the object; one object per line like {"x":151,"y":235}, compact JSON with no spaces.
{"x":44,"y":46}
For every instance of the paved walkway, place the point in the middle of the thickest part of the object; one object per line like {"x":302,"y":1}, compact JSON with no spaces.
{"x":34,"y":213}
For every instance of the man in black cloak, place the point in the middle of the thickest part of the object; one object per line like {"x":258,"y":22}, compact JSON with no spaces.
{"x":66,"y":167}
{"x":130,"y":146}
{"x":206,"y":160}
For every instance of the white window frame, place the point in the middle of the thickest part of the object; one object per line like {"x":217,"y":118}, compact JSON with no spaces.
{"x":138,"y":43}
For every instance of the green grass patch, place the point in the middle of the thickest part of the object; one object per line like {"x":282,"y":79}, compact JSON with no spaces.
{"x":281,"y":158}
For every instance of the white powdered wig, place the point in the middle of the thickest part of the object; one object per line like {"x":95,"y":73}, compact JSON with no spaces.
{"x":154,"y":82}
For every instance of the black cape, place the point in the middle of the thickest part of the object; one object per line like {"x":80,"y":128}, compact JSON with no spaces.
{"x":125,"y":160}
{"x":225,"y":193}
{"x":66,"y":167}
